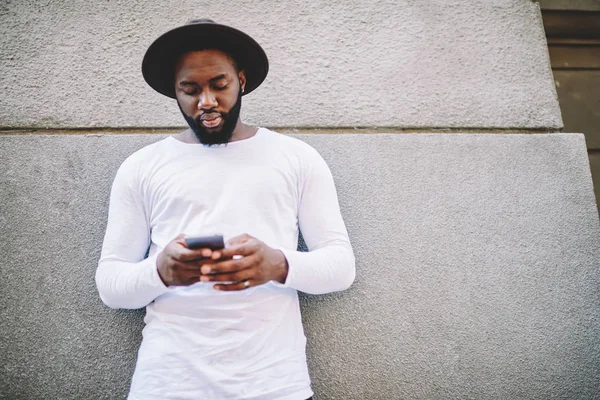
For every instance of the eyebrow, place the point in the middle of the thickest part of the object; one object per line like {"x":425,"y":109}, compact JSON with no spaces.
{"x":217,"y":78}
{"x":212,"y":80}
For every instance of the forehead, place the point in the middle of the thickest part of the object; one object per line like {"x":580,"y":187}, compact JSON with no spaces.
{"x":204,"y":62}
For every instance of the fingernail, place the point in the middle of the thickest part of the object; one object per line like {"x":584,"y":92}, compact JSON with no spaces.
{"x":204,"y":279}
{"x":205,"y":270}
{"x":206,"y":253}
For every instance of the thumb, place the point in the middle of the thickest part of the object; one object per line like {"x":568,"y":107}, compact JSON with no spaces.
{"x":179,"y":239}
{"x":239,"y":239}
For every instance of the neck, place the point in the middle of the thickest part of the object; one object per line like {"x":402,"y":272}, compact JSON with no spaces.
{"x":242,"y":131}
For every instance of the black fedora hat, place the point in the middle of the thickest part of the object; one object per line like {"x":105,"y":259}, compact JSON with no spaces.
{"x":158,"y":66}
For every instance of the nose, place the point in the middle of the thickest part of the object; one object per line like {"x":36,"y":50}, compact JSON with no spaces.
{"x":207,"y":100}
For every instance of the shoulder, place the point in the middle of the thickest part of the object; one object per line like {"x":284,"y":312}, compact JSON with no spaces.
{"x":304,"y":158}
{"x":290,"y":144}
{"x":143,"y":157}
{"x":148,"y":152}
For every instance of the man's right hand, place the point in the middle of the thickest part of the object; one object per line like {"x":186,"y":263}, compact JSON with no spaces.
{"x":179,"y":266}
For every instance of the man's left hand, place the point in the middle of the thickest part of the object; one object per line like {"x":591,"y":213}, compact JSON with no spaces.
{"x":246,"y":262}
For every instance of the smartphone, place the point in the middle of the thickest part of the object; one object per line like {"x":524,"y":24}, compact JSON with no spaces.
{"x":205,"y":242}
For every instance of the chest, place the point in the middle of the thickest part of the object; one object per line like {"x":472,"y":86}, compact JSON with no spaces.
{"x":223,"y":187}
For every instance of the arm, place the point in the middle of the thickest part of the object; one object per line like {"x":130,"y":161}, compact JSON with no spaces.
{"x":329,"y":265}
{"x":124,"y":278}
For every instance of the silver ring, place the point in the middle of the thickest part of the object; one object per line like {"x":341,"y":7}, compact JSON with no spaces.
{"x":246,"y":284}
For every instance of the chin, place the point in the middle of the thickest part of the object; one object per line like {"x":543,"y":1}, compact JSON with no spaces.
{"x":215,"y":130}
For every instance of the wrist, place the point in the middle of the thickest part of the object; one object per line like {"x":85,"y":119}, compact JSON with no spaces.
{"x":161,"y":277}
{"x":159,"y":270}
{"x":282,"y":267}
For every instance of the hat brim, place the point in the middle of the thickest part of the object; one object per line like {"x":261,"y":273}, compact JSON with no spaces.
{"x":158,"y":66}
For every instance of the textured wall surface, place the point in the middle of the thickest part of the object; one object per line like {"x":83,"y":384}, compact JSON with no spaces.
{"x":477,"y":260}
{"x":394,"y":63}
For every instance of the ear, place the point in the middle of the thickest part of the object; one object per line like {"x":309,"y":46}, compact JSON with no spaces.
{"x":242,"y":78}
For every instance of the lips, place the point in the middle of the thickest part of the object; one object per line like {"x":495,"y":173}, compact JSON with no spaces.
{"x":211,"y":123}
{"x":211,"y":120}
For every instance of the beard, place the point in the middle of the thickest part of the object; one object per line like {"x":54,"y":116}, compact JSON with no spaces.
{"x":222,"y":136}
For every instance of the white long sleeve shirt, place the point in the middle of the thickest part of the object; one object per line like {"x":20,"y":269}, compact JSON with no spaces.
{"x":199,"y":342}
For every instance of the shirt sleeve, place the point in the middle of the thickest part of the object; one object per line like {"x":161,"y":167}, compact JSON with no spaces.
{"x":329,"y":265}
{"x":125,"y":279}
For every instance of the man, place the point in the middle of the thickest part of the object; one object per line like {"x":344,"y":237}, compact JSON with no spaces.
{"x":222,"y":324}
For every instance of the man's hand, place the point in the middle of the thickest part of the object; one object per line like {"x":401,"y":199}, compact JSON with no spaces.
{"x":179,"y":266}
{"x":245,"y":262}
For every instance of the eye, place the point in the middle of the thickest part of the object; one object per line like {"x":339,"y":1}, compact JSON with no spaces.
{"x":190,"y":91}
{"x":220,"y":87}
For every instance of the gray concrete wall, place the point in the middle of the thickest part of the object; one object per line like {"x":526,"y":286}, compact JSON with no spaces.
{"x":477,"y":259}
{"x":383,"y":63}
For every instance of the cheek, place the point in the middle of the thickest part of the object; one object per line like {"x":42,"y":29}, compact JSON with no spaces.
{"x":227,"y":102}
{"x":188,"y":104}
